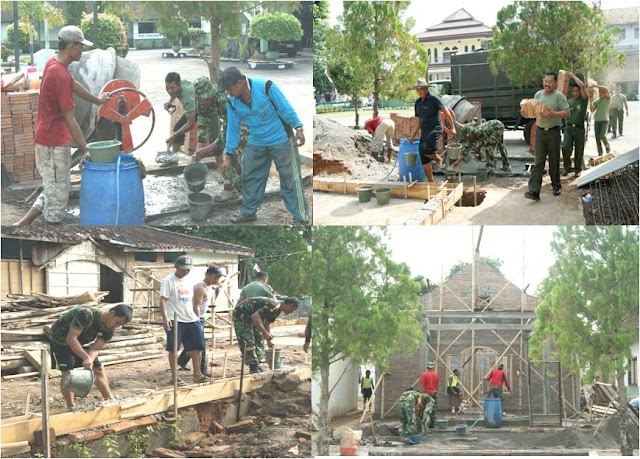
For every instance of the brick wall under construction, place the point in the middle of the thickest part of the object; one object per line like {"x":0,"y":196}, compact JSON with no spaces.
{"x":19,"y":116}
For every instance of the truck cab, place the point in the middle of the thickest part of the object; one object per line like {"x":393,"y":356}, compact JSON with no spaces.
{"x":471,"y":78}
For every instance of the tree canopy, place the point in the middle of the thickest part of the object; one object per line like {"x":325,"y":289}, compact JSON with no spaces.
{"x":366,"y":306}
{"x":552,"y":35}
{"x":281,"y":251}
{"x":380,"y":41}
{"x":589,"y":305}
{"x":321,"y":83}
{"x":275,"y":26}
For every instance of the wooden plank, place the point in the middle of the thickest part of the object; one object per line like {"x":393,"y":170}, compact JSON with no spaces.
{"x":158,"y":402}
{"x":421,"y":190}
{"x":488,"y":315}
{"x":485,"y":326}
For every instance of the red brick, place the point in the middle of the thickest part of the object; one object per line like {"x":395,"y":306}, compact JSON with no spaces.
{"x":85,"y":436}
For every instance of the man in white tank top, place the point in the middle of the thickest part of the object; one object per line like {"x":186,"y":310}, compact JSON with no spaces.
{"x":202,"y":295}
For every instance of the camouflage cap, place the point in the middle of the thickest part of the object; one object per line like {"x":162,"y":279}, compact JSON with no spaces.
{"x":203,"y":88}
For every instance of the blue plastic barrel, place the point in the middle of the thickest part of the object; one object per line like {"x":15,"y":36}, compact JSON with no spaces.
{"x":417,"y":172}
{"x":112,"y":193}
{"x":492,"y":412}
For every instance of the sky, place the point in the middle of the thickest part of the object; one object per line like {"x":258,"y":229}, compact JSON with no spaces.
{"x":430,"y":13}
{"x":426,"y":250}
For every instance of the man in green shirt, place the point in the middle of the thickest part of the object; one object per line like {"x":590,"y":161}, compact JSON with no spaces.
{"x":183,"y":91}
{"x":366,"y":388}
{"x":259,"y":287}
{"x":252,"y":319}
{"x":616,"y":112}
{"x":73,"y":331}
{"x":574,"y":131}
{"x":600,"y":110}
{"x":547,"y":142}
{"x":212,"y":119}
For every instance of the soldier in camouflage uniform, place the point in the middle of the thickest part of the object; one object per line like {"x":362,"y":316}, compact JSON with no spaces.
{"x":212,"y":119}
{"x":488,"y":136}
{"x":415,"y":411}
{"x":252,"y":319}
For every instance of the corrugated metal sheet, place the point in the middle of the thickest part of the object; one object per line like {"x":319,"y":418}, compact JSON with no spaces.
{"x":131,"y":238}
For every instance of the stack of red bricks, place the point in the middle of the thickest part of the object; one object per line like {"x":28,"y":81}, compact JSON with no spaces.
{"x":405,"y":125}
{"x":19,"y":117}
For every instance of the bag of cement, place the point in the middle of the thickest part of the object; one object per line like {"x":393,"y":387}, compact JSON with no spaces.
{"x":349,"y":441}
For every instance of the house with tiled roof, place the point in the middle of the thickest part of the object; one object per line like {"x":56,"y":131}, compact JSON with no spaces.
{"x":458,"y":33}
{"x":626,"y":20}
{"x":127,"y":261}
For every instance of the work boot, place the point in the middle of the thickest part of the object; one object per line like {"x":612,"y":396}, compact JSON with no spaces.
{"x":532,"y":195}
{"x":557,"y":191}
{"x":565,"y":172}
{"x":240,"y":217}
{"x":255,"y":368}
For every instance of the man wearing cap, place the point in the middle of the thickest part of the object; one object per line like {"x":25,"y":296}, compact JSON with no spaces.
{"x":176,"y":299}
{"x":202,"y":295}
{"x":182,"y":90}
{"x":57,"y":127}
{"x":212,"y":116}
{"x":271,"y":122}
{"x":429,"y":382}
{"x":252,"y":319}
{"x":429,"y":108}
{"x":547,"y":144}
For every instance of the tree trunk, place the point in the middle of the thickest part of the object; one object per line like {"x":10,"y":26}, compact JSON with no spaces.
{"x":30,"y":42}
{"x":626,"y":448}
{"x":376,"y":100}
{"x":214,"y":64}
{"x":356,"y":102}
{"x":324,"y":433}
{"x":324,"y":362}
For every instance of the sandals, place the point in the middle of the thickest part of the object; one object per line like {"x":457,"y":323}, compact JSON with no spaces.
{"x":180,"y":382}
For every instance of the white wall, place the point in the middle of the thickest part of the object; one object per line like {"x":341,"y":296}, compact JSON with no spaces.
{"x":76,"y":271}
{"x":344,"y":398}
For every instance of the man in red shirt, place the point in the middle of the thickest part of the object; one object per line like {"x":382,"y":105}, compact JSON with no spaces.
{"x":381,"y":129}
{"x":57,"y":126}
{"x":429,"y":382}
{"x":496,"y":378}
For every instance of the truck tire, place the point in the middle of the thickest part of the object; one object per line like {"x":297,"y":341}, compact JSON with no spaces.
{"x":527,"y":131}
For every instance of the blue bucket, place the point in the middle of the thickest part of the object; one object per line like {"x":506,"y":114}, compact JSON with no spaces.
{"x":112,"y":193}
{"x":415,"y":439}
{"x":416,"y":172}
{"x":492,"y":412}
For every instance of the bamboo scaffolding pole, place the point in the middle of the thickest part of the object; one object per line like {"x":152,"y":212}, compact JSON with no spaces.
{"x":44,"y":368}
{"x":175,"y":366}
{"x":366,"y":406}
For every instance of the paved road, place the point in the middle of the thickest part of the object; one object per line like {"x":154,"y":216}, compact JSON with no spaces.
{"x":296,"y":84}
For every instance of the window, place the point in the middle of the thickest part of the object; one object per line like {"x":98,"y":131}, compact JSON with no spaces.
{"x":633,"y":371}
{"x":623,"y":34}
{"x":435,"y":55}
{"x":466,"y":48}
{"x":446,"y":55}
{"x":429,"y":54}
{"x":11,"y":249}
{"x":473,"y":47}
{"x":636,"y":33}
{"x":145,"y":256}
{"x":171,"y":257}
{"x":147,"y":27}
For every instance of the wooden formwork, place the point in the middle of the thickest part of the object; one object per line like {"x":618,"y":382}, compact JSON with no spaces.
{"x":439,"y":197}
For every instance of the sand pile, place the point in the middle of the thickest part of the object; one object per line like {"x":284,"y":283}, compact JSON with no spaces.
{"x":339,"y":142}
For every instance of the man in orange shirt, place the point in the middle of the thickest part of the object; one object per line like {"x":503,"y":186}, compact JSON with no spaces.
{"x":429,"y":382}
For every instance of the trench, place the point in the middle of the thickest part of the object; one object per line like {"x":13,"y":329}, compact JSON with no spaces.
{"x":468,"y":200}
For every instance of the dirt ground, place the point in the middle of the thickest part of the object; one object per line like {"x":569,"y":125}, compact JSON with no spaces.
{"x":578,"y":437}
{"x":504,"y":203}
{"x":280,"y":411}
{"x":138,"y":378}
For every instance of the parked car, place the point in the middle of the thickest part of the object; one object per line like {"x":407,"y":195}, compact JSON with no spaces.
{"x":290,"y":48}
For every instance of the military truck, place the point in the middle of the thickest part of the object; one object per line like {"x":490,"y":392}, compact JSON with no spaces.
{"x":471,"y":78}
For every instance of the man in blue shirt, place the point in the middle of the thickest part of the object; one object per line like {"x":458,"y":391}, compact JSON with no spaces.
{"x":265,"y":111}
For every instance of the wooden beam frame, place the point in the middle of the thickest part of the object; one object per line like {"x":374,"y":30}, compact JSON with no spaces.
{"x":480,"y":326}
{"x":481,"y":315}
{"x":23,"y":428}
